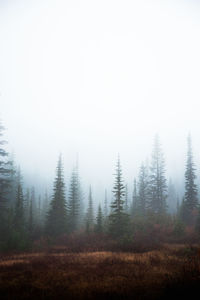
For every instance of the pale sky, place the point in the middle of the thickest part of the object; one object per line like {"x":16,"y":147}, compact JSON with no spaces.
{"x":99,"y":78}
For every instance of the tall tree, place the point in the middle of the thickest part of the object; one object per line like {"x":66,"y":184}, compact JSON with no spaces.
{"x":99,"y":221}
{"x":118,"y":218}
{"x":106,"y":205}
{"x":19,"y":220}
{"x":74,"y":202}
{"x":126,"y":204}
{"x":57,"y":216}
{"x":191,"y":193}
{"x":90,"y":213}
{"x":5,"y":185}
{"x":157,"y":181}
{"x":134,"y":206}
{"x":143,"y":186}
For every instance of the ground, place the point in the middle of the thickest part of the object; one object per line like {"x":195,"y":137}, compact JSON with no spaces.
{"x":159,"y":274}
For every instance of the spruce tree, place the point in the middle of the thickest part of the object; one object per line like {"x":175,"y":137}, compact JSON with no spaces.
{"x":74,"y":202}
{"x":157,"y":181}
{"x":99,"y":221}
{"x":19,"y":221}
{"x":118,"y":224}
{"x":191,"y":193}
{"x":90,"y":213}
{"x":135,"y":204}
{"x":143,"y":186}
{"x":126,"y":206}
{"x":57,"y":216}
{"x":5,"y":186}
{"x":106,"y":205}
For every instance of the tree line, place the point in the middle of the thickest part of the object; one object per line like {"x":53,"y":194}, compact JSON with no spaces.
{"x":24,"y":219}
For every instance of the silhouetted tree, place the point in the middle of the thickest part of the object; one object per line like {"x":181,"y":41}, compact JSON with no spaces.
{"x":143,"y":186}
{"x":118,"y":224}
{"x":19,"y":221}
{"x":74,"y":202}
{"x":99,"y":221}
{"x":157,"y":181}
{"x":57,"y":216}
{"x":90,"y":213}
{"x":191,"y":193}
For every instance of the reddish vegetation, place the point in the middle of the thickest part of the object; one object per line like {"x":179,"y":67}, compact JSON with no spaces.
{"x":157,"y":274}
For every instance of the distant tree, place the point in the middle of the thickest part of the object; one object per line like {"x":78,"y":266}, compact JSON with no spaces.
{"x":191,"y":192}
{"x":143,"y":186}
{"x":135,"y":198}
{"x":19,"y":220}
{"x":157,"y":181}
{"x":99,"y":221}
{"x":90,"y":213}
{"x":5,"y":185}
{"x":126,"y":206}
{"x":57,"y":216}
{"x":106,"y":205}
{"x":74,"y":202}
{"x":119,"y":220}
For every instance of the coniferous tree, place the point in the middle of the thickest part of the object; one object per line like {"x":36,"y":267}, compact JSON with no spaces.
{"x":118,"y":224}
{"x":191,"y":193}
{"x":126,"y":204}
{"x":5,"y":185}
{"x":172,"y":197}
{"x":157,"y":181}
{"x":74,"y":202}
{"x":90,"y":213}
{"x":135,"y":204}
{"x":99,"y":223}
{"x":19,"y":221}
{"x":57,"y":216}
{"x":143,"y":190}
{"x":106,"y":205}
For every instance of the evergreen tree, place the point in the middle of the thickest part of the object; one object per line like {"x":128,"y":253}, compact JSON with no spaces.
{"x":191,"y":198}
{"x":90,"y":213}
{"x":118,"y":225}
{"x":74,"y":202}
{"x":57,"y":216}
{"x":19,"y":205}
{"x":99,"y":223}
{"x":5,"y":185}
{"x":143,"y":190}
{"x":106,"y":205}
{"x":135,"y":204}
{"x":157,"y":183}
{"x":126,"y":206}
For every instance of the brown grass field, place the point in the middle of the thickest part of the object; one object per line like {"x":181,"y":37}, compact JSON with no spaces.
{"x":171,"y":271}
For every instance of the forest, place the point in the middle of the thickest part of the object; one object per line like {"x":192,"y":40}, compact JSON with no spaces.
{"x":29,"y":220}
{"x":57,"y":246}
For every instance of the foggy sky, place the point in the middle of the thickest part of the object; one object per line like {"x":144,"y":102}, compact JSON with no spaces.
{"x":99,"y":78}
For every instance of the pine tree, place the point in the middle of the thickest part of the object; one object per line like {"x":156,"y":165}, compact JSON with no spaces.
{"x":99,"y":223}
{"x":191,"y":193}
{"x":135,"y":204}
{"x":5,"y":173}
{"x":118,"y":225}
{"x":90,"y":213}
{"x":74,"y":202}
{"x":106,"y":205}
{"x":19,"y":221}
{"x":143,"y":190}
{"x":126,"y":206}
{"x":57,"y":216}
{"x":5,"y":185}
{"x":157,"y":183}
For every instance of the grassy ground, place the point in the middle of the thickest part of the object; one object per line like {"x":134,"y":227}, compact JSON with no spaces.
{"x":159,"y":274}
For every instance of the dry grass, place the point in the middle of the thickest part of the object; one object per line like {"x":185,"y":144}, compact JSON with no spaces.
{"x":102,"y":275}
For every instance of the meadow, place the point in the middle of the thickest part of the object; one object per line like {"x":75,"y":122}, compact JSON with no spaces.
{"x":171,"y":270}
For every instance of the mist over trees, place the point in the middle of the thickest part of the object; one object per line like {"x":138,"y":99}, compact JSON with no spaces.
{"x":150,"y":205}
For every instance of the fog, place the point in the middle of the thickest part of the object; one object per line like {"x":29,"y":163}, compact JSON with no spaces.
{"x":96,"y":78}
